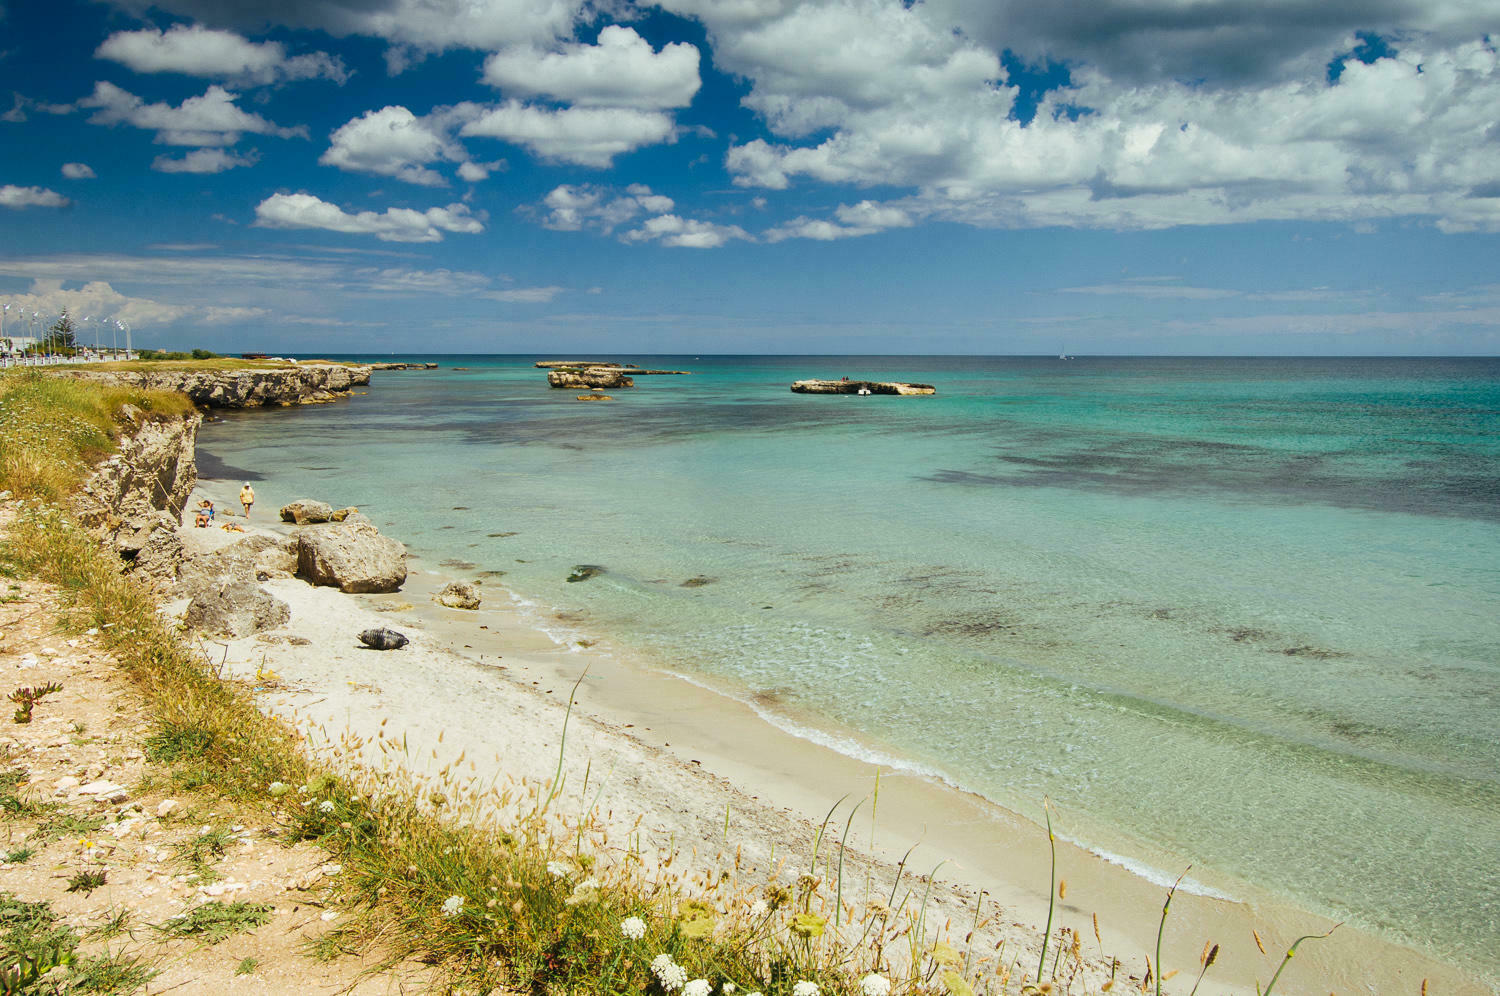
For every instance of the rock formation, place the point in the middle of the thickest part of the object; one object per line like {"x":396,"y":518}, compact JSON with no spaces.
{"x":305,"y":511}
{"x":590,"y":377}
{"x":858,"y":386}
{"x":236,"y":608}
{"x":459,"y":595}
{"x":352,"y":556}
{"x":251,"y":387}
{"x":152,"y":471}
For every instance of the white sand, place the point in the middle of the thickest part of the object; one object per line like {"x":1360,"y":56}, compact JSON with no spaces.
{"x":487,"y":684}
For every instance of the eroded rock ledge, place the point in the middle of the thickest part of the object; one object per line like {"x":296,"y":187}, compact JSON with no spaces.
{"x":302,"y":384}
{"x":857,"y":386}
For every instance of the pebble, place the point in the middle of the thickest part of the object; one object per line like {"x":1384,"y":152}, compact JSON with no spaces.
{"x":166,"y":807}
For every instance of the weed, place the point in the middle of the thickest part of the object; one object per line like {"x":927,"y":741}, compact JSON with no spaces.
{"x":115,"y":923}
{"x":19,"y":856}
{"x":60,"y":825}
{"x":246,"y":966}
{"x":27,"y":696}
{"x":203,"y":848}
{"x":87,"y":880}
{"x":10,"y":799}
{"x":213,"y":922}
{"x":332,"y":944}
{"x":175,"y":741}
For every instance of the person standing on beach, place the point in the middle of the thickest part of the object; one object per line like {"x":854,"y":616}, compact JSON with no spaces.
{"x":247,"y":498}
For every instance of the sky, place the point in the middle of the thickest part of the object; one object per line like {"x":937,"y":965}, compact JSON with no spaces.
{"x":1208,"y":177}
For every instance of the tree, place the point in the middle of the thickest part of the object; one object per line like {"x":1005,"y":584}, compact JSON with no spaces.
{"x":60,"y":336}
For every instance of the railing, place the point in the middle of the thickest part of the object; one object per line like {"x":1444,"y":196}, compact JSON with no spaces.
{"x":8,"y":360}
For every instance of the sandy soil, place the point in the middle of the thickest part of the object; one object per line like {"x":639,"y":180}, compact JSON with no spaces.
{"x":673,"y":762}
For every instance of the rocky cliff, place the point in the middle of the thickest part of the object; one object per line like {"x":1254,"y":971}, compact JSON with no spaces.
{"x":303,"y":384}
{"x":152,"y":471}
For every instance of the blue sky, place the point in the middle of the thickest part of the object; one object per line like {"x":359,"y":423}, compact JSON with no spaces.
{"x":969,"y":176}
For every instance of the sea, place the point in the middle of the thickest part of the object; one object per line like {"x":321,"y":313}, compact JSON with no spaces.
{"x":1237,"y":612}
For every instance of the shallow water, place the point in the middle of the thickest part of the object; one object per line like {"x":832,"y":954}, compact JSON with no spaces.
{"x":1234,"y":612}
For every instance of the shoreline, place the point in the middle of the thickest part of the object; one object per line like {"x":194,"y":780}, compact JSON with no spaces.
{"x":725,"y":750}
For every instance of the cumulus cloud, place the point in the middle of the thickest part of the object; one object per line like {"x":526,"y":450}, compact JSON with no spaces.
{"x":412,"y":27}
{"x":685,"y":233}
{"x":199,"y":51}
{"x":391,"y":225}
{"x":587,"y":136}
{"x":97,"y":297}
{"x":12,"y":196}
{"x":222,"y":314}
{"x":77,"y":171}
{"x":392,"y":142}
{"x":571,"y":208}
{"x":212,"y":119}
{"x":203,"y":161}
{"x":620,"y":71}
{"x":524,"y":295}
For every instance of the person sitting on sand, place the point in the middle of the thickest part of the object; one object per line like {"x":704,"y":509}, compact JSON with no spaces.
{"x":247,"y":498}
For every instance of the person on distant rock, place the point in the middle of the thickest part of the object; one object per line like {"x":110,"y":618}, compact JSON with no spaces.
{"x":247,"y":498}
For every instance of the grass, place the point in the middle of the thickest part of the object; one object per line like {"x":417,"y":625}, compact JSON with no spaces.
{"x":495,"y":885}
{"x":34,"y":941}
{"x":215,"y":922}
{"x":87,"y":880}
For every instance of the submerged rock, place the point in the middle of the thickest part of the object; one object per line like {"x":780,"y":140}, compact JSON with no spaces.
{"x":860,"y":387}
{"x":459,"y":595}
{"x":585,"y":571}
{"x":697,"y":582}
{"x":383,"y":639}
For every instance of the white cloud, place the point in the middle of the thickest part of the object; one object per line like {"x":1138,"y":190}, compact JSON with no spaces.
{"x":816,"y":229}
{"x":1153,"y":290}
{"x":572,"y":208}
{"x":392,"y":225}
{"x":473,"y":172}
{"x":686,"y":233}
{"x":203,"y":161}
{"x":212,"y":119}
{"x":77,"y":171}
{"x":393,"y":142}
{"x":199,"y":51}
{"x":413,"y":27}
{"x":12,"y":196}
{"x":587,"y":136}
{"x":96,"y":298}
{"x":222,"y":314}
{"x":620,"y":71}
{"x":524,"y":295}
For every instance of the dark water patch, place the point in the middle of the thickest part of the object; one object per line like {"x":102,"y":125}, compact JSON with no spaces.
{"x":211,"y":468}
{"x":973,"y":625}
{"x":458,"y":565}
{"x":697,"y":582}
{"x":1314,"y":653}
{"x":500,"y":535}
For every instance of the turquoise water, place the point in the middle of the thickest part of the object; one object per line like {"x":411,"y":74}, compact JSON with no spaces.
{"x":1243,"y":613}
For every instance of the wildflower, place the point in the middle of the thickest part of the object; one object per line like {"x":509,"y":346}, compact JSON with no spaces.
{"x":326,"y":806}
{"x":452,"y":906}
{"x":874,"y":985}
{"x":805,"y":988}
{"x":759,"y":908}
{"x":278,"y":789}
{"x":671,"y":975}
{"x":557,"y":869}
{"x":728,"y":989}
{"x":698,"y":987}
{"x":633,"y":927}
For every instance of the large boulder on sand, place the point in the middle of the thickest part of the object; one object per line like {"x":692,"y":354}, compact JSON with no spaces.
{"x":351,"y":556}
{"x":236,"y":608}
{"x":256,"y":557}
{"x":305,"y":511}
{"x":459,"y":595}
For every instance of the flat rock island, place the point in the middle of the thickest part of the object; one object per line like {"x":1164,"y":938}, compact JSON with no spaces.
{"x":859,"y":387}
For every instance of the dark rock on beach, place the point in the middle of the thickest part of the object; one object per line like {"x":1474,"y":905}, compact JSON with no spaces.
{"x":585,"y":571}
{"x":383,"y":639}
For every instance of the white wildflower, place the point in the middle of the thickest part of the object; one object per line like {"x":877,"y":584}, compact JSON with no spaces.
{"x":671,"y":975}
{"x":633,"y":927}
{"x":452,"y":906}
{"x":805,"y":988}
{"x":758,"y":908}
{"x":698,"y":987}
{"x":874,"y":985}
{"x":326,"y":806}
{"x":728,"y":989}
{"x":557,"y":869}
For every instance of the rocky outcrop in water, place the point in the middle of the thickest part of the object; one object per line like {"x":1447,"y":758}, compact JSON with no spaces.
{"x":593,"y":378}
{"x":352,"y":556}
{"x":860,"y":387}
{"x":252,"y":387}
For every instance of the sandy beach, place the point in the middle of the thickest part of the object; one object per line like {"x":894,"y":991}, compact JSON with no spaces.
{"x":693,"y":771}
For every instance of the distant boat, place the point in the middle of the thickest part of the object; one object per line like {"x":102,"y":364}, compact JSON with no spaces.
{"x":1064,"y":354}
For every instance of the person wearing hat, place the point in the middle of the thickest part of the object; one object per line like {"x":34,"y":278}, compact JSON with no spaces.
{"x":247,"y":498}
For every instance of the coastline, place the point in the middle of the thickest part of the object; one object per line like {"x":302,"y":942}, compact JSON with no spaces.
{"x":687,"y":752}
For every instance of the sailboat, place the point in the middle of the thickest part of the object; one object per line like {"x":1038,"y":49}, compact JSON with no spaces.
{"x":1064,"y":354}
